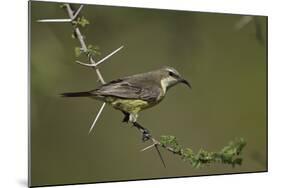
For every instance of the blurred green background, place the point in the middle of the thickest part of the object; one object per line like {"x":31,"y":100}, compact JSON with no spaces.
{"x":227,"y":68}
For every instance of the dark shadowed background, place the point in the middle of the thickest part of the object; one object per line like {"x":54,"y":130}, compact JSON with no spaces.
{"x":226,"y":66}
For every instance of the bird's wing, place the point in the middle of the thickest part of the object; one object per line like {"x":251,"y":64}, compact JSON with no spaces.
{"x":128,"y":89}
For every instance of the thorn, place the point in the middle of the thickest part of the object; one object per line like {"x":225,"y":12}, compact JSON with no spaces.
{"x":77,"y":12}
{"x":109,"y":55}
{"x":158,"y":151}
{"x":148,"y":147}
{"x":97,"y":117}
{"x":86,"y":64}
{"x":54,"y":20}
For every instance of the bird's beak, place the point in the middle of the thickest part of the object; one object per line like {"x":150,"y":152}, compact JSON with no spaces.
{"x":185,"y":82}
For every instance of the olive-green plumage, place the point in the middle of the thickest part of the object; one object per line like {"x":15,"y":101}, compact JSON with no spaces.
{"x":132,"y":94}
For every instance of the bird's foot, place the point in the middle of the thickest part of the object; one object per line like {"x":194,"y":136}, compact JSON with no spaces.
{"x":145,"y":135}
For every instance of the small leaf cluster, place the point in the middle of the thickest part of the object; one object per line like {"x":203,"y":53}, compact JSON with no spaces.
{"x":227,"y":155}
{"x":91,"y":50}
{"x":81,"y":21}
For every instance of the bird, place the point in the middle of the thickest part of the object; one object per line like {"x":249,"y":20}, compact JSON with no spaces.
{"x":132,"y":94}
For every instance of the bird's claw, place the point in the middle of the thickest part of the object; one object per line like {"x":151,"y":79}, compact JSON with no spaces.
{"x":145,"y":135}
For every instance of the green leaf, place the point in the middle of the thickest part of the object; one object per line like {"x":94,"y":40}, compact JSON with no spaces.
{"x":77,"y":51}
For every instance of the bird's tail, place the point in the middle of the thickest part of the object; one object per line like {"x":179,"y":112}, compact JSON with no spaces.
{"x":77,"y":94}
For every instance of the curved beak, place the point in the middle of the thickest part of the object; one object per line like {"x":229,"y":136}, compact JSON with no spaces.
{"x":186,"y":83}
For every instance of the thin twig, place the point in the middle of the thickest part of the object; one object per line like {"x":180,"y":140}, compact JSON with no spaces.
{"x":76,"y":29}
{"x":97,"y":71}
{"x":85,"y":50}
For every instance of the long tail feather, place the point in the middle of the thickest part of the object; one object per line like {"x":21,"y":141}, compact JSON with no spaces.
{"x":76,"y":94}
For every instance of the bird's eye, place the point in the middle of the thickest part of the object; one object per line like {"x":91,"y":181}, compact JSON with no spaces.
{"x":171,"y":73}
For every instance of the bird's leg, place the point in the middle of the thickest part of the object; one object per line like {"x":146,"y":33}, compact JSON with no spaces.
{"x":126,"y":117}
{"x":133,"y":119}
{"x":145,"y":133}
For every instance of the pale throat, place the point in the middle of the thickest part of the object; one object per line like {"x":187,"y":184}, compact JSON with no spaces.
{"x":166,"y":82}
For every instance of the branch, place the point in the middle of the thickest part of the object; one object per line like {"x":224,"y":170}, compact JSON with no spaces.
{"x":85,"y":50}
{"x":228,"y":155}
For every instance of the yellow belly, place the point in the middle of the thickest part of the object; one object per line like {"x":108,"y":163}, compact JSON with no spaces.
{"x":130,"y":105}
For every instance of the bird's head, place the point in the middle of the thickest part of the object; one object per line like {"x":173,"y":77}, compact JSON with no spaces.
{"x":171,"y":77}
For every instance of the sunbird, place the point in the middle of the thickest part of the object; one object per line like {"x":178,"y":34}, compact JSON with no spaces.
{"x":135,"y":93}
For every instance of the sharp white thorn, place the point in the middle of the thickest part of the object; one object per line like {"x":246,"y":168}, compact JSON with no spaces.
{"x":86,"y":64}
{"x":54,"y":20}
{"x":77,"y":12}
{"x":109,"y":55}
{"x":97,"y":117}
{"x":148,"y":147}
